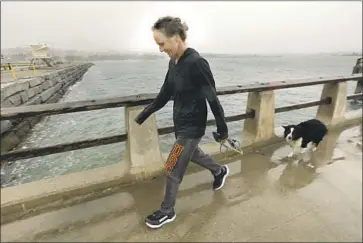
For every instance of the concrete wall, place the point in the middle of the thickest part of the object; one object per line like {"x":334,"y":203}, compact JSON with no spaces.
{"x":48,"y":88}
{"x":30,"y":199}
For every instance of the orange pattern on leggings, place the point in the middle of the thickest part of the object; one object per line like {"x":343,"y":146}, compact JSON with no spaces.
{"x":173,"y":157}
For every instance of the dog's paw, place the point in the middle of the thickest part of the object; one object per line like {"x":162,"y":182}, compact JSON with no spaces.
{"x":310,"y":166}
{"x":290,"y":155}
{"x":314,"y":149}
{"x":303,"y":150}
{"x":295,"y":162}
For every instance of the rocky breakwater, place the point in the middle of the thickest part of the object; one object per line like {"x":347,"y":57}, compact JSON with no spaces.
{"x":45,"y":89}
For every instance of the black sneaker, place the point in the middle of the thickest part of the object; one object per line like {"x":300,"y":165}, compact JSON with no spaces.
{"x":158,"y":219}
{"x":220,"y":178}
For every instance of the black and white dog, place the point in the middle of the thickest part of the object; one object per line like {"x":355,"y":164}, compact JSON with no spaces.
{"x":305,"y":136}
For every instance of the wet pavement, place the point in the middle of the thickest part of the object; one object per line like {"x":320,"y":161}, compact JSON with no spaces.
{"x":265,"y":198}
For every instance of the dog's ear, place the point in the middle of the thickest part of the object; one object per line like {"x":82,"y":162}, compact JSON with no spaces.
{"x":284,"y":127}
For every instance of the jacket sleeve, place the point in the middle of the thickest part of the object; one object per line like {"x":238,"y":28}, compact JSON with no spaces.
{"x":160,"y":101}
{"x":204,"y":78}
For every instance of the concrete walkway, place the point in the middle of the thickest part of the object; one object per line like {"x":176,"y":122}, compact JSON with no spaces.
{"x":23,"y":73}
{"x":7,"y":77}
{"x":266,"y":198}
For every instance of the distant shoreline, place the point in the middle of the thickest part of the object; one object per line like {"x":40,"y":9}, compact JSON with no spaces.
{"x":12,"y":57}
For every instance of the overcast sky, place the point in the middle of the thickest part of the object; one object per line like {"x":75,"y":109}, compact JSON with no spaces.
{"x":219,"y":27}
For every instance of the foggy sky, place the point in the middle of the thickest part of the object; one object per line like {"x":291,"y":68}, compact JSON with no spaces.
{"x":217,"y":27}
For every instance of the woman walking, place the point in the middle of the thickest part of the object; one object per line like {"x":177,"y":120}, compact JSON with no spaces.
{"x":190,"y":82}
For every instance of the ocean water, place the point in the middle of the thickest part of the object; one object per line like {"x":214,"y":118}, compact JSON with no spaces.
{"x":120,"y":78}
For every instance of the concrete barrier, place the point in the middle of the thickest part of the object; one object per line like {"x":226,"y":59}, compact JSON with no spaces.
{"x":37,"y":197}
{"x":143,"y":159}
{"x":142,"y":145}
{"x":261,"y":127}
{"x":334,"y":112}
{"x":358,"y":68}
{"x":44,"y":89}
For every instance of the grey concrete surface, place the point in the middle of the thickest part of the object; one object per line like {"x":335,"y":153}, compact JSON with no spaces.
{"x":267,"y":198}
{"x":23,"y":73}
{"x":7,"y":77}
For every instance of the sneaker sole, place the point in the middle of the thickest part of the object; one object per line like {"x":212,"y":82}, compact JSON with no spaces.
{"x":224,"y":179}
{"x":159,"y":225}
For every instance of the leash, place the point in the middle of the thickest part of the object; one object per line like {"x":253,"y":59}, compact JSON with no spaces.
{"x":229,"y":143}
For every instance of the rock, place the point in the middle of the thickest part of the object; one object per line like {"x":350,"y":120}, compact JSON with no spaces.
{"x":5,"y":126}
{"x":10,"y":90}
{"x":15,"y":99}
{"x":49,"y":92}
{"x":24,"y":96}
{"x":35,"y":81}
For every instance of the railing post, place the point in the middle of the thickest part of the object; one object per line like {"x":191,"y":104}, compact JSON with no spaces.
{"x":359,"y":88}
{"x":34,"y":70}
{"x":358,"y":68}
{"x":325,"y":153}
{"x":13,"y":71}
{"x":333,"y":113}
{"x":142,"y":149}
{"x":261,"y":127}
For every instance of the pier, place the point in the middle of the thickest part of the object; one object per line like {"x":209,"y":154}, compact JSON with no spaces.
{"x":264,"y":199}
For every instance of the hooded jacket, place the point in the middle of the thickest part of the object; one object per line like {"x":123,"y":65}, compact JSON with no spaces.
{"x":190,"y":82}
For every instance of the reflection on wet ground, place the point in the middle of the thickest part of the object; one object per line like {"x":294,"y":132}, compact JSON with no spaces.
{"x":266,"y":198}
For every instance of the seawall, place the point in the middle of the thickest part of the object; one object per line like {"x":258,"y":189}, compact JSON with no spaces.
{"x":30,"y":199}
{"x":45,"y":89}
